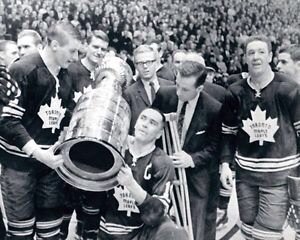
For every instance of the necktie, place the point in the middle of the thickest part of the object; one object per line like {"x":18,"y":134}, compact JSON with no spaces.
{"x":152,"y":92}
{"x":181,"y":119}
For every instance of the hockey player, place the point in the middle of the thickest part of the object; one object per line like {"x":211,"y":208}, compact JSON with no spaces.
{"x":29,"y":126}
{"x":86,"y":204}
{"x":261,"y":127}
{"x":136,"y":209}
{"x":29,"y":42}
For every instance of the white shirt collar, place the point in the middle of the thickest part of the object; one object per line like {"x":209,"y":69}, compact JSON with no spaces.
{"x":191,"y":103}
{"x":189,"y":113}
{"x":155,"y":82}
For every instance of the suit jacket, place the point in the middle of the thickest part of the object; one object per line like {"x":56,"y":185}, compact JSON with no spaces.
{"x":216,"y":91}
{"x":203,"y":135}
{"x":137,"y":99}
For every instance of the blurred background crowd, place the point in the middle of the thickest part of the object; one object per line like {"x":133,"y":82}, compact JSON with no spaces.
{"x":216,"y":29}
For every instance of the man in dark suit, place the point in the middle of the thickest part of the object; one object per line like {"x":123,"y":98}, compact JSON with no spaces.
{"x":142,"y":93}
{"x":200,"y":133}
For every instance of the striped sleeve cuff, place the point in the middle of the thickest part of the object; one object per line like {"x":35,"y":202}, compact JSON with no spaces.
{"x":30,"y":147}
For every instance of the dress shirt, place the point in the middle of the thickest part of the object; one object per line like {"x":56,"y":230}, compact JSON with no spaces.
{"x":189,"y":112}
{"x":148,"y":87}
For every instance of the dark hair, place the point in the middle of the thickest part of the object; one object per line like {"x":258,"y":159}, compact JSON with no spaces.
{"x":261,"y":38}
{"x":293,"y":50}
{"x":61,"y":33}
{"x":160,"y":112}
{"x":191,"y":68}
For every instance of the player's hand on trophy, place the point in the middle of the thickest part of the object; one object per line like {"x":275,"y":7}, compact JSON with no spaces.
{"x":8,"y":86}
{"x":125,"y":177}
{"x":182,"y":160}
{"x":48,"y":157}
{"x":226,"y":177}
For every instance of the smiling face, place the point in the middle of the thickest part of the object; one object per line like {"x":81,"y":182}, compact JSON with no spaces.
{"x":149,"y":126}
{"x":258,"y":57}
{"x":96,"y":50}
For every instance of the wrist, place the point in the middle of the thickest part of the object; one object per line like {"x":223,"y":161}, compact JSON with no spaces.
{"x":37,"y":154}
{"x":225,"y":165}
{"x":192,"y":164}
{"x":30,"y":147}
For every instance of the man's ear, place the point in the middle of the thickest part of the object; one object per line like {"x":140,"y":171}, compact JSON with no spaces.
{"x":54,"y":45}
{"x":40,"y":47}
{"x":159,"y":134}
{"x":270,"y":57}
{"x":200,"y":88}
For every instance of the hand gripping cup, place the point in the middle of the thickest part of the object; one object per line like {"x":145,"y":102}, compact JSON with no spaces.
{"x":93,"y":144}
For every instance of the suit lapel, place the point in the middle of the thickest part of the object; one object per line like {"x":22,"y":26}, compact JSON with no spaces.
{"x":142,"y":92}
{"x":197,"y":117}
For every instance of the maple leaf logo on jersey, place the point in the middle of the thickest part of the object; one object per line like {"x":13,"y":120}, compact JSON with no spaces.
{"x":77,"y":95}
{"x":125,"y":200}
{"x":53,"y":114}
{"x":259,"y":128}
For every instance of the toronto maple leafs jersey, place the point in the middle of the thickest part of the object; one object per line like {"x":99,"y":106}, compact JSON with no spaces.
{"x":82,"y":79}
{"x":154,"y":172}
{"x":261,"y":130}
{"x":39,"y":112}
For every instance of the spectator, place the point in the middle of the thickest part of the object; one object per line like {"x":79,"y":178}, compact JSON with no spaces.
{"x":142,"y":93}
{"x":289,"y":62}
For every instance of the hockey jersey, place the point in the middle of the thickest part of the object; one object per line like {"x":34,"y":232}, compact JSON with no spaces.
{"x":40,"y":111}
{"x":154,"y":172}
{"x":261,"y":130}
{"x":82,"y":79}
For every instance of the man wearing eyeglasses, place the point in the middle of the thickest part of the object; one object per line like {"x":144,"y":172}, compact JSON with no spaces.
{"x":141,"y":94}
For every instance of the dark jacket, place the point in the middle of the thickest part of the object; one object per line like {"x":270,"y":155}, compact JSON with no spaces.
{"x":137,"y":99}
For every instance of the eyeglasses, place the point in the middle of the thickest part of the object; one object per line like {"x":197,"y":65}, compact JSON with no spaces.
{"x":149,"y":62}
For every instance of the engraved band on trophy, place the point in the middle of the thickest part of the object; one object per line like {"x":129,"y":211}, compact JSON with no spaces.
{"x":93,"y":144}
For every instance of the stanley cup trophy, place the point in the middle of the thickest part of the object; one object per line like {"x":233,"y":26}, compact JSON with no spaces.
{"x":93,"y":144}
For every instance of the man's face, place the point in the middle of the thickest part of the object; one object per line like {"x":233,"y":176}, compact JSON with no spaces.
{"x":96,"y":50}
{"x":68,"y":53}
{"x":178,"y":58}
{"x":286,"y":64}
{"x":258,"y":57}
{"x":26,"y":46}
{"x":145,"y":63}
{"x":210,"y":76}
{"x":186,"y":89}
{"x":11,"y":53}
{"x":148,"y":126}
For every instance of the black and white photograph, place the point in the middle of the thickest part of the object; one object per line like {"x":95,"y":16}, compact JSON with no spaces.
{"x":150,"y":120}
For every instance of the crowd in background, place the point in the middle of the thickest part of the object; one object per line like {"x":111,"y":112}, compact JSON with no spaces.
{"x":216,"y":28}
